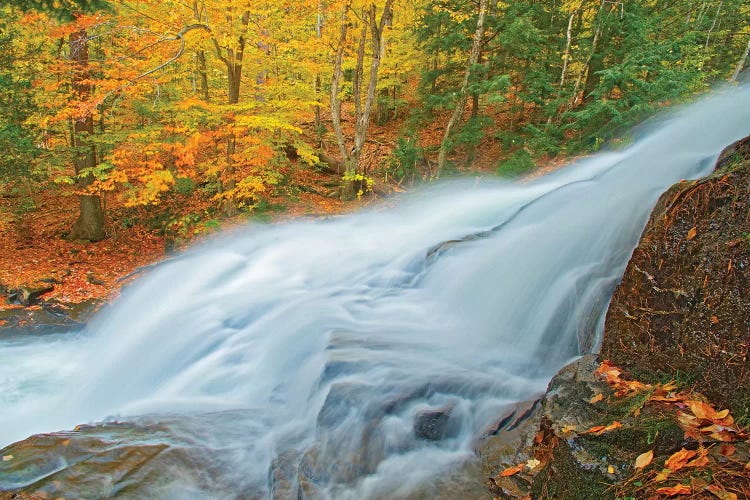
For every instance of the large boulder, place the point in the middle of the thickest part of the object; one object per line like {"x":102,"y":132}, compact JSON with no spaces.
{"x":683,"y":308}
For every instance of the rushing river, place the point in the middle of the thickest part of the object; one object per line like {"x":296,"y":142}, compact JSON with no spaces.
{"x":358,"y":357}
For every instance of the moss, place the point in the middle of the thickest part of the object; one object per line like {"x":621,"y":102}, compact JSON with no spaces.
{"x":563,"y":479}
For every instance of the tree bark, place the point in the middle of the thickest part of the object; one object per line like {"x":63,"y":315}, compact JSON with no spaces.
{"x":586,"y":66}
{"x":90,"y":223}
{"x":566,"y":55}
{"x":458,"y":111}
{"x":336,"y":86}
{"x":741,"y":64}
{"x":377,"y":45}
{"x":233,"y":62}
{"x":203,"y":73}
{"x":713,"y":24}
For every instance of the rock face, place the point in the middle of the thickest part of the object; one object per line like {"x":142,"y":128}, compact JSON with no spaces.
{"x":683,"y":308}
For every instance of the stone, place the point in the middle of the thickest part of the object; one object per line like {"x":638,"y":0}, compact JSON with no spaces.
{"x":29,"y":294}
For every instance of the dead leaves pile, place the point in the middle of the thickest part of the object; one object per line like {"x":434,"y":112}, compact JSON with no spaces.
{"x":699,"y":420}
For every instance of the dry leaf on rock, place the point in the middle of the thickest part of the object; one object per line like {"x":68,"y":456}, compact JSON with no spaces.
{"x":510,"y":471}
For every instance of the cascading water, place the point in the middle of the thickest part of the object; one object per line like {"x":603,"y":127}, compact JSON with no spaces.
{"x":358,"y":357}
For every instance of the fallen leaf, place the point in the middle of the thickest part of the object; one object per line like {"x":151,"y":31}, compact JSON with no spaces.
{"x":644,"y":459}
{"x":568,"y":429}
{"x":701,"y":410}
{"x":721,"y":415}
{"x":678,"y":460}
{"x":727,"y":449}
{"x":715,"y":320}
{"x":721,"y":493}
{"x":680,"y":489}
{"x":510,"y":471}
{"x":610,"y":470}
{"x":698,"y":462}
{"x":662,"y":476}
{"x":596,"y":398}
{"x":692,"y":233}
{"x":7,"y":458}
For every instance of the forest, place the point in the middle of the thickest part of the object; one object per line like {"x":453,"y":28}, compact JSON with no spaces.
{"x":173,"y":117}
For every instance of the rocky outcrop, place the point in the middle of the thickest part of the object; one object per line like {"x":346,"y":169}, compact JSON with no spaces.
{"x":683,"y":308}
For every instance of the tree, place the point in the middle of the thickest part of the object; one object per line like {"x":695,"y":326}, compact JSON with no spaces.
{"x":372,"y":22}
{"x":458,"y":111}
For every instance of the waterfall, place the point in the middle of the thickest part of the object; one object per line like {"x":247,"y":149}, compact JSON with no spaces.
{"x":360,"y":356}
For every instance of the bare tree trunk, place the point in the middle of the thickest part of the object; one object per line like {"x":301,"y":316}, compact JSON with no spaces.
{"x":358,"y":73}
{"x":585,"y":68}
{"x":741,"y":64}
{"x":336,"y":86}
{"x":458,"y":111}
{"x":568,"y":40}
{"x":318,"y":123}
{"x":713,"y":25}
{"x":377,"y":43}
{"x":203,"y":73}
{"x":90,"y":222}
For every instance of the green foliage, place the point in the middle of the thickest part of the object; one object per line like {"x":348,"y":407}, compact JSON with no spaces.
{"x":17,"y":137}
{"x":406,"y":158}
{"x":519,"y":163}
{"x":184,"y":186}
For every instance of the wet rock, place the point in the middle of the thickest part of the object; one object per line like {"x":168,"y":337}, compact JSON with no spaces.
{"x":29,"y":294}
{"x":52,"y":317}
{"x":434,"y":424}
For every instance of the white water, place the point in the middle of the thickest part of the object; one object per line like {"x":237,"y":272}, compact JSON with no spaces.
{"x":332,"y":336}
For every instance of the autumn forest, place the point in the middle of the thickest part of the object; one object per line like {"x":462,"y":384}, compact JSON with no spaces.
{"x":173,"y":116}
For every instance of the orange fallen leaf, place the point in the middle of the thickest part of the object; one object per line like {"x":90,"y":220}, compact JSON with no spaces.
{"x":601,"y":429}
{"x":679,"y":489}
{"x":721,"y":493}
{"x":715,"y":320}
{"x":644,"y":459}
{"x":692,"y":233}
{"x":701,"y":410}
{"x":596,"y":398}
{"x":727,"y":449}
{"x":678,"y":460}
{"x":510,"y":471}
{"x":698,"y":462}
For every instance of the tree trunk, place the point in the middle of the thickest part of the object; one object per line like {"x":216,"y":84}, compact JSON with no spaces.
{"x":713,"y":25}
{"x":458,"y":111}
{"x":566,"y":55}
{"x":336,"y":86}
{"x":233,"y":63}
{"x":741,"y":64}
{"x":378,"y":46}
{"x":90,"y":223}
{"x":203,"y":73}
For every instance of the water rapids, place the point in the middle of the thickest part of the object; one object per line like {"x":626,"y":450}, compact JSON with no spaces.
{"x":357,"y":357}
